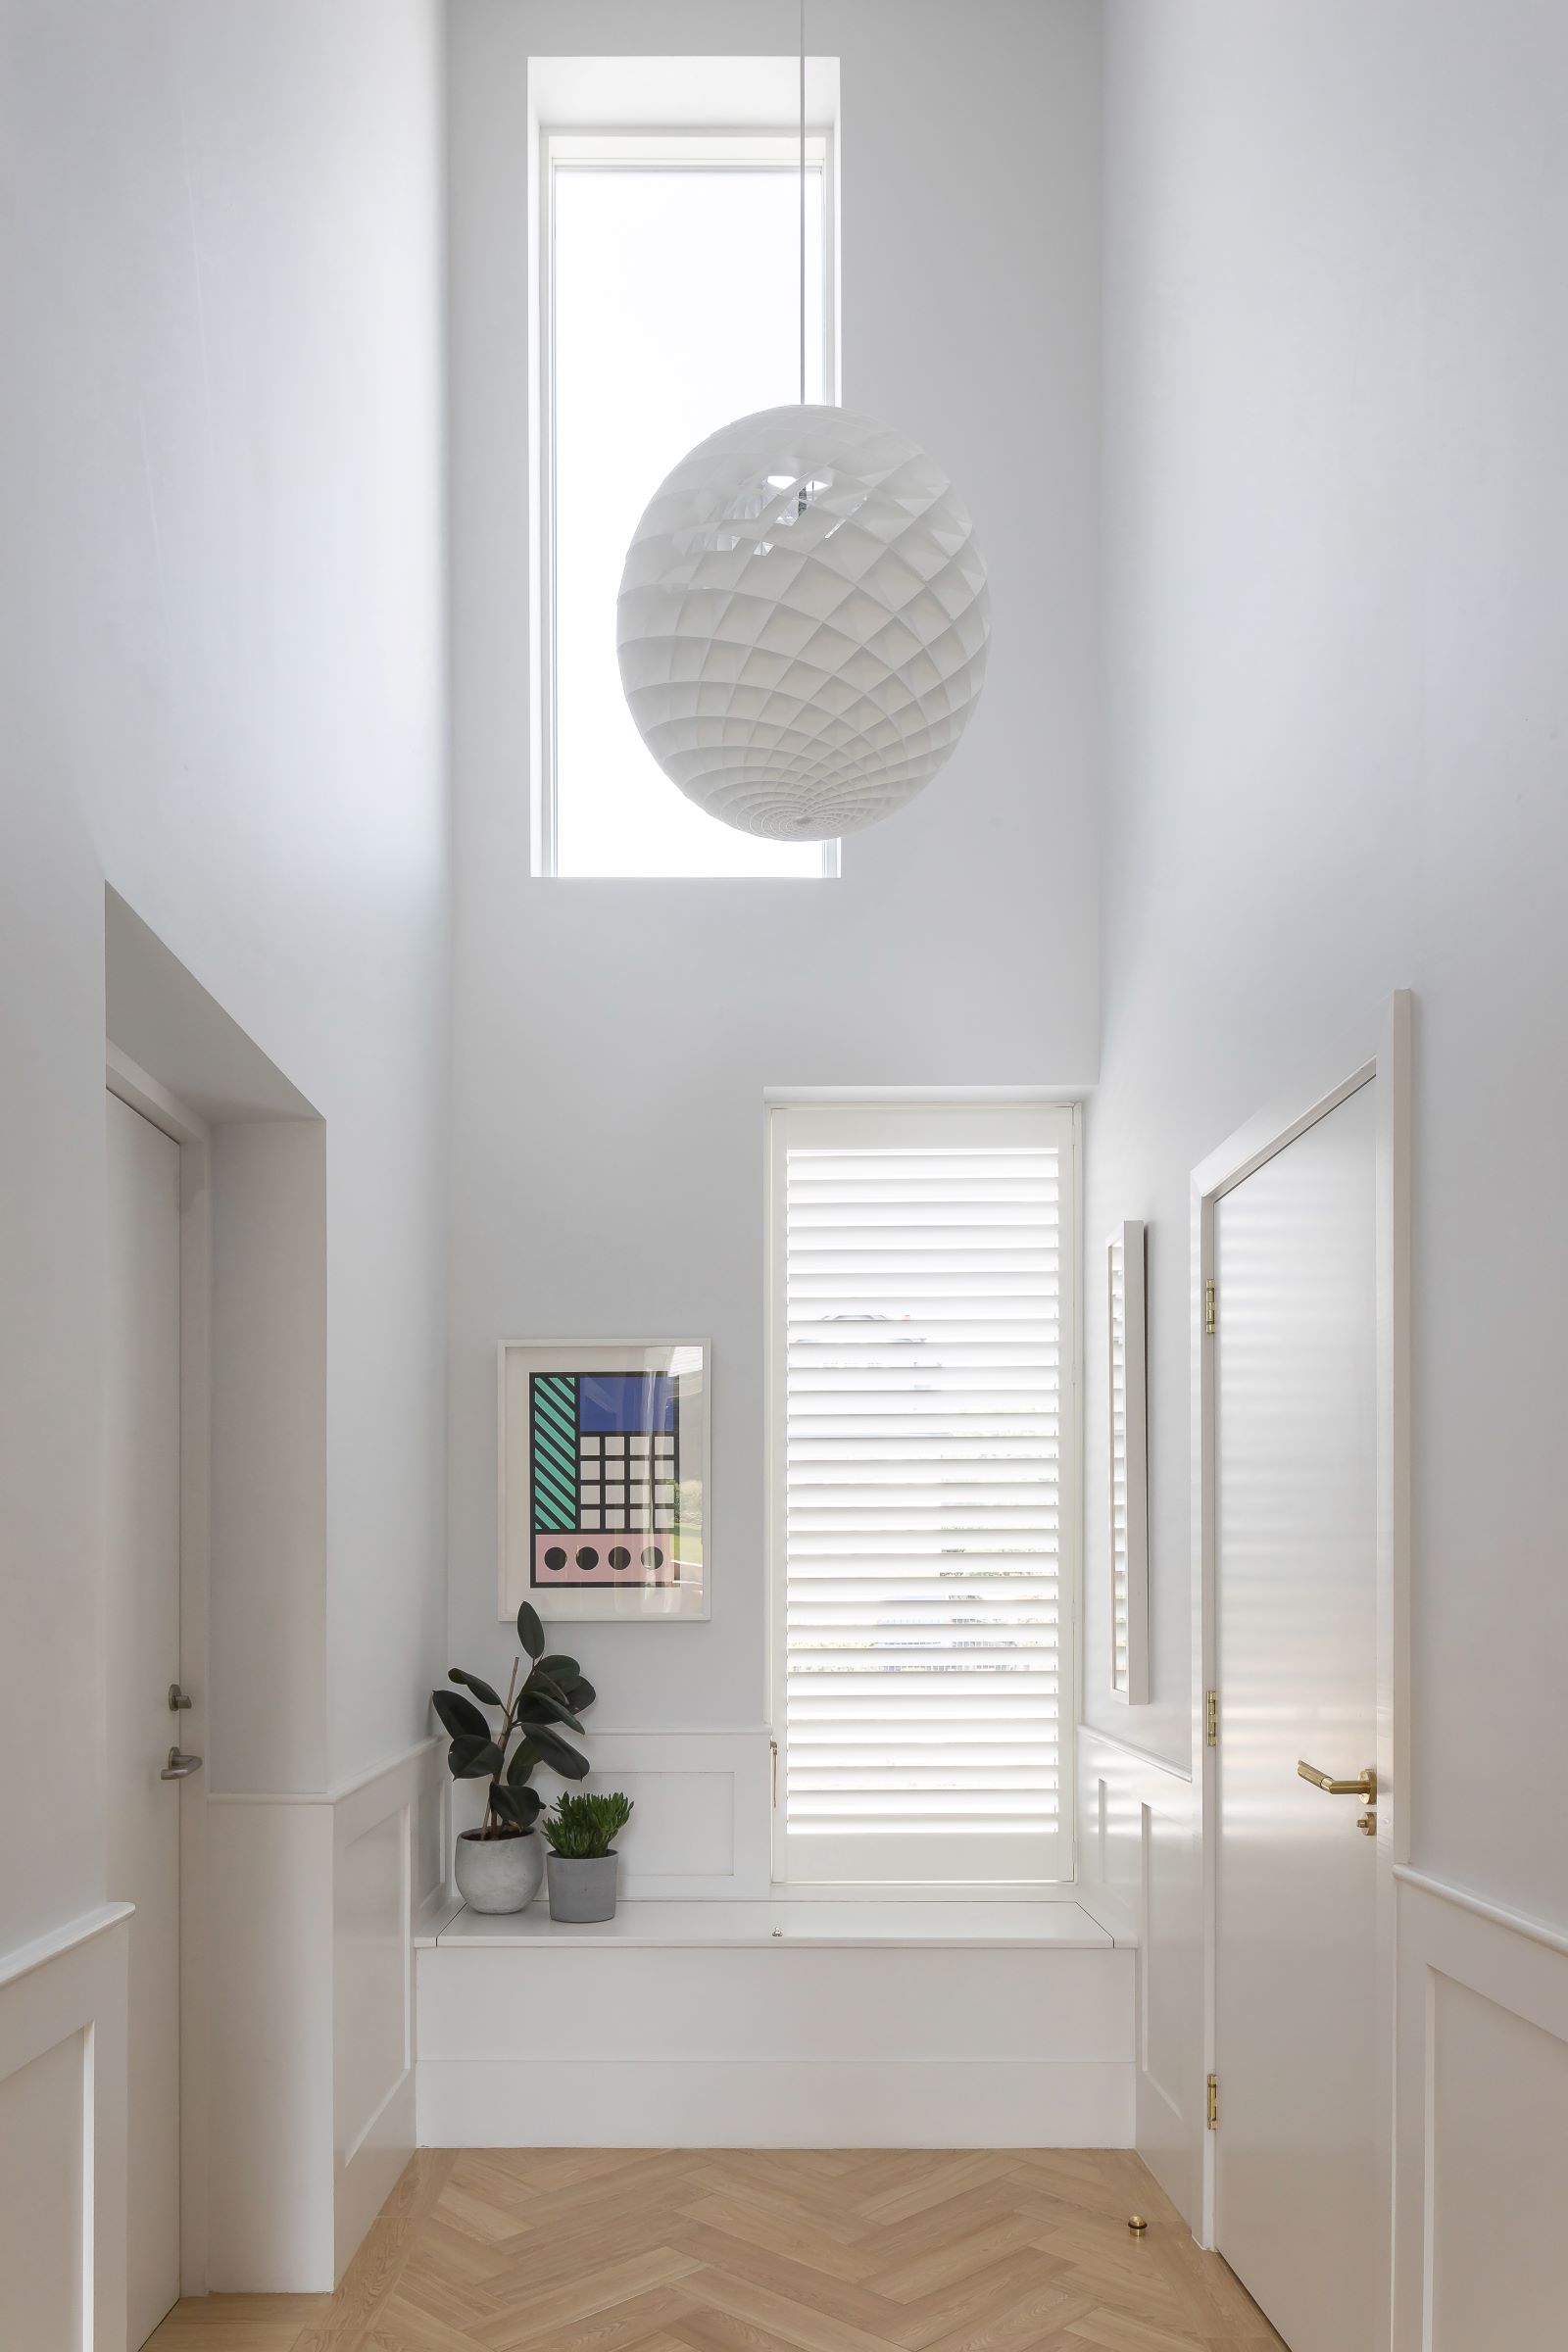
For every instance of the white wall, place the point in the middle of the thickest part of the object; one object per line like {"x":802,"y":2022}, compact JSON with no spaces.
{"x":1337,"y":524}
{"x":220,"y":567}
{"x":959,"y":945}
{"x":268,"y":1700}
{"x":1337,"y":601}
{"x":219,"y":559}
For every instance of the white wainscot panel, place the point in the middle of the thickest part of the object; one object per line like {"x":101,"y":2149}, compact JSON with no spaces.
{"x":312,"y":2008}
{"x":701,"y":1825}
{"x":388,"y":1865}
{"x":1170,"y":2065}
{"x":1483,"y":2126}
{"x":372,"y":2038}
{"x":1141,"y":1866}
{"x":63,"y":2138}
{"x":269,"y":2059}
{"x":41,"y":2210}
{"x":430,"y":1830}
{"x":1500,"y":2140}
{"x":683,"y":1827}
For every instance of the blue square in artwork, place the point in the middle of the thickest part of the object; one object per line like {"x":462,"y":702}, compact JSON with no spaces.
{"x":625,"y":1400}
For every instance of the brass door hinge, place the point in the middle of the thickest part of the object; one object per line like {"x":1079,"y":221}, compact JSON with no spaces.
{"x":772,"y":1758}
{"x":1213,"y":2103}
{"x":1210,"y":1308}
{"x":1211,"y":1718}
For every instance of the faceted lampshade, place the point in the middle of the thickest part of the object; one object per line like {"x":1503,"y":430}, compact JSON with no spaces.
{"x":803,"y":623}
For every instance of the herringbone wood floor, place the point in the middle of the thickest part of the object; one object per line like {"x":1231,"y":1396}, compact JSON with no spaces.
{"x":630,"y":2250}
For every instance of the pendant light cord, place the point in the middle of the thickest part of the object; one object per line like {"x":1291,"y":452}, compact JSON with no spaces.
{"x":803,"y":203}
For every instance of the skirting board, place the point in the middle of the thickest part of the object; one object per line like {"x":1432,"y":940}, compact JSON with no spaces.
{"x":773,"y":2103}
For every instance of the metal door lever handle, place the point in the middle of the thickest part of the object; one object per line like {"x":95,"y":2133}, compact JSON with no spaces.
{"x":179,"y":1767}
{"x":1364,"y":1784}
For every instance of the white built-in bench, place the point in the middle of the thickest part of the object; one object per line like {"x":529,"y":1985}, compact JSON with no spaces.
{"x":783,"y":2024}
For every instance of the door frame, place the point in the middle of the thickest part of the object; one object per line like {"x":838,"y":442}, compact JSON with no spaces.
{"x":1382,"y":1052}
{"x":143,"y":1093}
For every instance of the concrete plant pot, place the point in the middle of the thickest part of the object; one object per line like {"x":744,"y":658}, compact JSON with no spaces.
{"x":498,"y":1873}
{"x":582,"y":1891}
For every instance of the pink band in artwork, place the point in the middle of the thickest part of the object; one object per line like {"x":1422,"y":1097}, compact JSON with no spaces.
{"x":584,"y":1556}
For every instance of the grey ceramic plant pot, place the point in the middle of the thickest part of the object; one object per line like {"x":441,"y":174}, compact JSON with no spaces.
{"x":582,"y":1891}
{"x":498,"y":1873}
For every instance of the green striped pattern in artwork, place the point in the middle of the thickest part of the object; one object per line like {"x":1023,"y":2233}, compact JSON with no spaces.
{"x":553,"y":1437}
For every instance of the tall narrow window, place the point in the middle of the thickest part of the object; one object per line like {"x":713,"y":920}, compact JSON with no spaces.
{"x":922,"y":1443}
{"x":671,"y":307}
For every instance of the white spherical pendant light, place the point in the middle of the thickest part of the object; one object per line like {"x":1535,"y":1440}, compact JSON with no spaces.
{"x":803,"y":623}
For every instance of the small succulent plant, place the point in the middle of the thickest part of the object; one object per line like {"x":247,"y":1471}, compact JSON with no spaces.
{"x":554,"y":1692}
{"x":583,"y":1828}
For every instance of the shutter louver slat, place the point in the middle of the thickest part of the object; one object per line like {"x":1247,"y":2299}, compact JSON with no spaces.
{"x":924,"y":1352}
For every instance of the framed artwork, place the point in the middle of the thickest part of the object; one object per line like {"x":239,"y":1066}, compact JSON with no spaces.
{"x":603,"y":1478}
{"x":1127,"y":1413}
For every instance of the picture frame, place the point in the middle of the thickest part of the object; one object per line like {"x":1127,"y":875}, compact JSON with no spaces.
{"x":605,"y":1454}
{"x":1127,"y":1481}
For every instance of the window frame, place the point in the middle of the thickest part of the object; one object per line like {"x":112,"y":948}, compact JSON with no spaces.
{"x":842,"y":1122}
{"x":673,"y":148}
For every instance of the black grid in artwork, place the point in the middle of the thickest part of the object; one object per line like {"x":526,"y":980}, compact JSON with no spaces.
{"x":629,"y":1480}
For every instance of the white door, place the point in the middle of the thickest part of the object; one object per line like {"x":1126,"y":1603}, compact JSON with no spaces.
{"x":141,"y":1385}
{"x":1294,"y":1491}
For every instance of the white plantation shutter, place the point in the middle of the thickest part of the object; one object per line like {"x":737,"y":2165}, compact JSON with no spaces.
{"x":922,"y":1402}
{"x":1129,"y":1497}
{"x":1116,"y":1284}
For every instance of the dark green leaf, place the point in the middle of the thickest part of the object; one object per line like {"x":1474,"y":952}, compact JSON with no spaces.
{"x":524,"y":1756}
{"x":582,"y":1695}
{"x":477,"y":1685}
{"x":562,"y":1671}
{"x":521,"y":1806}
{"x":473,"y":1759}
{"x":537,"y":1708}
{"x":530,"y":1633}
{"x":558,"y":1753}
{"x":460,"y":1716}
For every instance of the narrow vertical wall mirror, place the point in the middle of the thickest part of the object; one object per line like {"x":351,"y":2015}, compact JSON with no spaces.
{"x":1129,"y":1464}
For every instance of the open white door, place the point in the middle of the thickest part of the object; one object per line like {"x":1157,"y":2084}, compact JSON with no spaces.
{"x":141,"y":1409}
{"x":1295,"y":1468}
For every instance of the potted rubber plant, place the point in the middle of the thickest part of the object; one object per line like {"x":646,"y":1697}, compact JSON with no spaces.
{"x":583,"y":1864}
{"x":500,"y":1863}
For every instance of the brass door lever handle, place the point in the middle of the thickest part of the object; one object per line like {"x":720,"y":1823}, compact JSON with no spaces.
{"x":1364,"y":1784}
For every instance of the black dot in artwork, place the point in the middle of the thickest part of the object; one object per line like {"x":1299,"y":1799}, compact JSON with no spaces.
{"x":555,"y":1557}
{"x":652,"y":1557}
{"x":620,"y":1557}
{"x":587,"y":1558}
